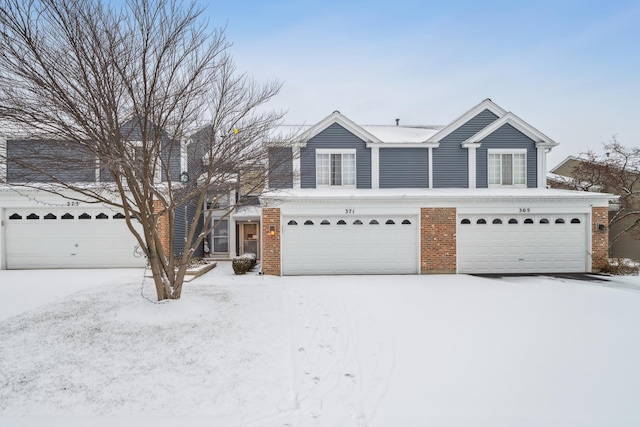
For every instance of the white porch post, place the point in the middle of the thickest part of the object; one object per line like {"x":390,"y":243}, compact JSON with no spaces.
{"x":542,"y":167}
{"x":430,"y":167}
{"x":472,"y":166}
{"x":375,"y":167}
{"x":296,"y":166}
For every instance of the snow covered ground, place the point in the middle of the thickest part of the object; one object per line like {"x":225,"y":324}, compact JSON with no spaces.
{"x":84,"y":348}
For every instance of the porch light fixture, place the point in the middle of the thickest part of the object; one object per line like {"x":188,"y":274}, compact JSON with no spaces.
{"x":272,"y":230}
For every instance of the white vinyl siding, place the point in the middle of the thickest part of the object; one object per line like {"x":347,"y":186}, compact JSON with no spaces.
{"x":507,"y":168}
{"x":336,"y":169}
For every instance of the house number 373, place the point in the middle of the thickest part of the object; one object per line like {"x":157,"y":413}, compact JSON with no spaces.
{"x":349,"y":211}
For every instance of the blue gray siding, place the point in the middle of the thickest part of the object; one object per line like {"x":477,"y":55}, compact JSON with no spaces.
{"x":450,"y":160}
{"x":404,"y":168}
{"x":280,"y":168}
{"x":507,"y":137}
{"x":48,"y":161}
{"x":335,"y":136}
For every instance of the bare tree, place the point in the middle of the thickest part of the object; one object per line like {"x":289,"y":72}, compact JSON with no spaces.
{"x":616,"y":172}
{"x":116,"y":93}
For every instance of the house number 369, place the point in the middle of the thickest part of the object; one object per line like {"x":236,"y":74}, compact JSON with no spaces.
{"x":349,"y":211}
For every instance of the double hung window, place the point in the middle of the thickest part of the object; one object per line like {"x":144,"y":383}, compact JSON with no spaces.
{"x":507,"y":168}
{"x":336,"y":168}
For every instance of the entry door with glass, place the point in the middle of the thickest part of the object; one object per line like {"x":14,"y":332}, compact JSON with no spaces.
{"x":250,"y":238}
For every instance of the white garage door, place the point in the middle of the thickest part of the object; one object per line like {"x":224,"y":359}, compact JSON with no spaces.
{"x":350,"y":245}
{"x":69,"y":238}
{"x":522,"y":243}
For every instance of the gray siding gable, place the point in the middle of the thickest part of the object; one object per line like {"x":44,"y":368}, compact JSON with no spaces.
{"x":336,"y":137}
{"x":404,"y":168}
{"x":450,"y":159}
{"x":47,"y":161}
{"x":506,"y":137}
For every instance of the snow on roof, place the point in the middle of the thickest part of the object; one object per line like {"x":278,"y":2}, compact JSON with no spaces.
{"x":385,"y":133}
{"x":402,"y":134}
{"x":434,"y":194}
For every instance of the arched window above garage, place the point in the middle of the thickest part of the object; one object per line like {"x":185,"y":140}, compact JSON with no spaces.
{"x":84,"y":216}
{"x":528,"y":221}
{"x":15,"y":216}
{"x":102,"y":215}
{"x":373,"y":222}
{"x":513,"y":221}
{"x":390,"y":222}
{"x":308,"y":222}
{"x":575,"y":221}
{"x":406,"y":222}
{"x":559,"y":221}
{"x":50,"y":216}
{"x":325,"y":222}
{"x":33,"y":216}
{"x":544,"y":221}
{"x":118,"y":216}
{"x":357,"y":222}
{"x":497,"y":221}
{"x":341,"y":222}
{"x":481,"y":221}
{"x":292,"y":222}
{"x":67,"y":216}
{"x":465,"y":221}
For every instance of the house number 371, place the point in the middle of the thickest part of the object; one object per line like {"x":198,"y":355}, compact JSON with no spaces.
{"x":349,"y":211}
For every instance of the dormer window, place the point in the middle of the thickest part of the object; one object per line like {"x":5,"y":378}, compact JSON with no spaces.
{"x":507,"y":168}
{"x":336,"y":168}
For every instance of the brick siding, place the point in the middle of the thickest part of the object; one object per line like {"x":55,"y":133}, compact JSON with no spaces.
{"x":437,"y":240}
{"x":599,"y":239}
{"x":163,"y":226}
{"x":271,"y":244}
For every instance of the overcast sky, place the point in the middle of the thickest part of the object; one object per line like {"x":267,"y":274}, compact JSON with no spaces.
{"x":569,"y":68}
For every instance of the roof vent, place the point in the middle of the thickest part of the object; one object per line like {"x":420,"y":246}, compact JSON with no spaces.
{"x":397,"y":122}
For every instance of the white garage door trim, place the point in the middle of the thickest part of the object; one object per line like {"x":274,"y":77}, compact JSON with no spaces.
{"x":69,"y":238}
{"x":373,"y":244}
{"x":523,"y":243}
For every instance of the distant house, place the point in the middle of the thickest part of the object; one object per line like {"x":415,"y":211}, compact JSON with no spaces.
{"x":563,"y":176}
{"x":469,"y":197}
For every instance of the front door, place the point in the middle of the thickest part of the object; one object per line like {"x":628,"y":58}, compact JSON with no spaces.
{"x":250,"y":238}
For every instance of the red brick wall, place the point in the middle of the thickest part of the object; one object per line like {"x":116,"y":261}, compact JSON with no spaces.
{"x":163,"y":226}
{"x":271,"y":244}
{"x":599,"y":239}
{"x":437,"y":240}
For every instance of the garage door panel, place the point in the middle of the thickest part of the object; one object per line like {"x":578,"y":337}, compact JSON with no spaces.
{"x":538,"y":246}
{"x":68,"y":243}
{"x":349,"y":248}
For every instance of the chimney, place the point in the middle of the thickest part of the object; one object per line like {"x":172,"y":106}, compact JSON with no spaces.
{"x":397,"y":122}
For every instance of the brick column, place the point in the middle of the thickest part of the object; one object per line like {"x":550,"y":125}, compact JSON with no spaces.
{"x":599,"y":239}
{"x":437,"y":240}
{"x":271,"y":243}
{"x":163,"y":226}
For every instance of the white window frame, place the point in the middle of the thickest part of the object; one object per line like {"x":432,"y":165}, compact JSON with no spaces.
{"x":501,"y":152}
{"x":331,"y":151}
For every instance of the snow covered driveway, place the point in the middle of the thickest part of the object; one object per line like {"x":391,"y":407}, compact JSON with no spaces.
{"x":326,"y":351}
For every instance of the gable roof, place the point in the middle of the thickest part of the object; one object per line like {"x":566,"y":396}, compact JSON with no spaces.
{"x":538,"y":137}
{"x":487,"y":104}
{"x":336,"y":117}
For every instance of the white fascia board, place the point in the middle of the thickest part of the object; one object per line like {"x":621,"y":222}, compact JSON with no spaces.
{"x":515,"y":121}
{"x":336,"y":117}
{"x":487,"y":104}
{"x":403,"y":144}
